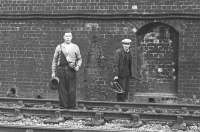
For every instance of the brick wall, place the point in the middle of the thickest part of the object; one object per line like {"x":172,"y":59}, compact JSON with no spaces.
{"x":27,"y":45}
{"x":189,"y":59}
{"x":98,"y":6}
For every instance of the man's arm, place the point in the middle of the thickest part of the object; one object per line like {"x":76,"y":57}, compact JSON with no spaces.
{"x":78,"y":59}
{"x":116,"y":63}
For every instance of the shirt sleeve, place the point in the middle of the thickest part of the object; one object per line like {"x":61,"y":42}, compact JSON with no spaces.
{"x":116,"y":63}
{"x":78,"y":56}
{"x":55,"y":60}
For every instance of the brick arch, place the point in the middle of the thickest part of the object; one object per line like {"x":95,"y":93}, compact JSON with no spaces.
{"x":152,"y":24}
{"x":177,"y":26}
{"x":157,"y":45}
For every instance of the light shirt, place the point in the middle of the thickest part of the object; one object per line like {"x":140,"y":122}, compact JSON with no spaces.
{"x":71,"y":52}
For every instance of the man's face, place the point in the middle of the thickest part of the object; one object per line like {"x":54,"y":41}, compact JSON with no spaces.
{"x":126,"y":46}
{"x":68,"y":37}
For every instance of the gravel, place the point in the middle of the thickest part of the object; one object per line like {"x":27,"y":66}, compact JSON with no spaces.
{"x":35,"y":121}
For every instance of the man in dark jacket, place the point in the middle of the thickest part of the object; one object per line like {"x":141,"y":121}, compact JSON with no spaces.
{"x":124,"y":68}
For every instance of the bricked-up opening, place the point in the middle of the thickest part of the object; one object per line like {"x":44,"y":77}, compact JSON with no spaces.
{"x":158,"y":46}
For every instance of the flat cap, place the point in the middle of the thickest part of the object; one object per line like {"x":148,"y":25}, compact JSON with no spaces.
{"x":126,"y":41}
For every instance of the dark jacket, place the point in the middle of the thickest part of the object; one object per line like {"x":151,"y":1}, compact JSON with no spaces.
{"x":119,"y":66}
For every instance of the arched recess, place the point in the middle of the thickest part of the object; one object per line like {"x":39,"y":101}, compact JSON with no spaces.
{"x":158,"y":49}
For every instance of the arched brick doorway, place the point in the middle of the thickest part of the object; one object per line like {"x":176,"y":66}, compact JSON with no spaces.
{"x":157,"y":45}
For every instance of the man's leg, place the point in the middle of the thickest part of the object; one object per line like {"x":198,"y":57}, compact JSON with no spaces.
{"x":126,"y":88}
{"x":72,"y":89}
{"x":121,"y":96}
{"x":63,"y":88}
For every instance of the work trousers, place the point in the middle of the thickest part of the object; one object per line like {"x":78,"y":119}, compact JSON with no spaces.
{"x":67,"y":86}
{"x":124,"y":82}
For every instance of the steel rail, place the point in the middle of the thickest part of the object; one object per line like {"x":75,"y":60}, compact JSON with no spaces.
{"x":106,"y":103}
{"x":12,"y":128}
{"x":28,"y":100}
{"x":106,"y":114}
{"x":139,"y":105}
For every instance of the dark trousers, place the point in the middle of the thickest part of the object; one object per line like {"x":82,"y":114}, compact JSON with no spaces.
{"x":67,"y":87}
{"x":124,"y":82}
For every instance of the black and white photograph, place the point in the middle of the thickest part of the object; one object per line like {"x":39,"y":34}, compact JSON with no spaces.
{"x":99,"y":65}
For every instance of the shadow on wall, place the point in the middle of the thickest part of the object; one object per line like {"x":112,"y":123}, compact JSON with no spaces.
{"x":98,"y":67}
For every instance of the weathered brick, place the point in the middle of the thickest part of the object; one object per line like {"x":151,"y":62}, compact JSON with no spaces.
{"x":29,"y":44}
{"x":106,"y":6}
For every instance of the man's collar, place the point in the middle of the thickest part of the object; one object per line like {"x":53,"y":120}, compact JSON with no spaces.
{"x":67,"y":43}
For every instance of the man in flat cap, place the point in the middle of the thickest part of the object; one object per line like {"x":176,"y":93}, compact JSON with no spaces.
{"x":123,"y":68}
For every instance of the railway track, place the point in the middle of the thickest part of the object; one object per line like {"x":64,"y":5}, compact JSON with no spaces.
{"x":106,"y":104}
{"x":145,"y":117}
{"x":140,"y":105}
{"x":187,"y":113}
{"x":106,"y":114}
{"x":11,"y":128}
{"x":91,"y":109}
